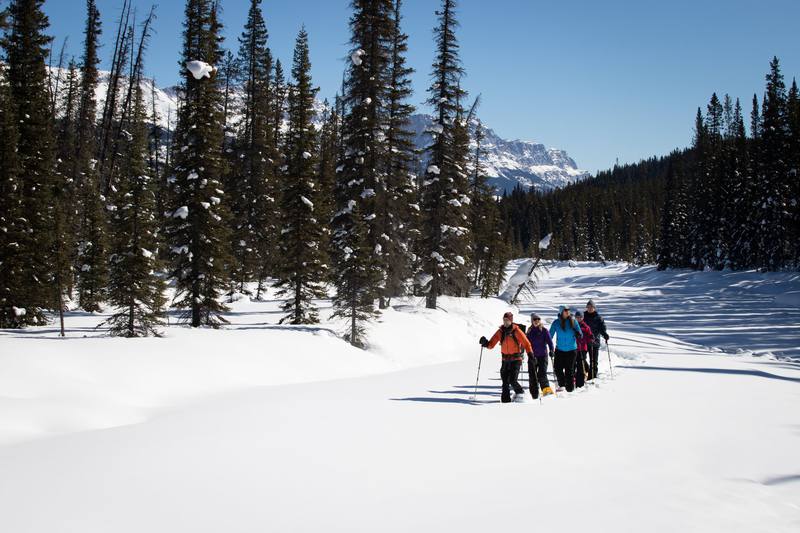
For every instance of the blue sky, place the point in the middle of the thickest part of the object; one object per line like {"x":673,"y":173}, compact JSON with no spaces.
{"x":600,"y":79}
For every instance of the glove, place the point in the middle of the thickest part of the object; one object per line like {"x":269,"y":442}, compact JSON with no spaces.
{"x":483,"y":342}
{"x":606,"y":337}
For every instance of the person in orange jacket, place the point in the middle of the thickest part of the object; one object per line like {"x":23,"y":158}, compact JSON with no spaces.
{"x":513,"y":346}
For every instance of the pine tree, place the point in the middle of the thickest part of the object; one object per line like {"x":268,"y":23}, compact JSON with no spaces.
{"x":329,"y":145}
{"x":135,"y":289}
{"x":714,"y":254}
{"x":699,"y":239}
{"x":303,"y":269}
{"x":196,"y":226}
{"x":11,"y":260}
{"x":774,"y":190}
{"x":794,"y":169}
{"x":737,"y":207}
{"x":489,"y":243}
{"x":92,"y":259}
{"x":399,"y":202}
{"x":278,"y":102}
{"x":446,"y":239}
{"x":65,"y":199}
{"x":361,"y":219}
{"x":26,"y":47}
{"x":251,"y":183}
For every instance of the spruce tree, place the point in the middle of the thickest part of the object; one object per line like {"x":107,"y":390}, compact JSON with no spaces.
{"x":135,"y":289}
{"x":399,"y":202}
{"x":66,"y":216}
{"x":445,"y":238}
{"x":251,"y":183}
{"x":774,"y":190}
{"x":329,"y":145}
{"x":489,"y":248}
{"x":794,"y":169}
{"x":92,"y":253}
{"x":714,"y":253}
{"x":26,"y":49}
{"x":278,"y":103}
{"x":699,"y":240}
{"x":738,"y":207}
{"x":11,"y":260}
{"x":360,"y":220}
{"x":303,"y":269}
{"x":196,"y":225}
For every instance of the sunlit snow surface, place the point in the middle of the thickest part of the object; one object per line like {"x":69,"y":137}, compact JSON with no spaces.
{"x":260,"y":427}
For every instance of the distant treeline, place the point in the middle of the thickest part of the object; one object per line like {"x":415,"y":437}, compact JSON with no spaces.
{"x":731,"y":200}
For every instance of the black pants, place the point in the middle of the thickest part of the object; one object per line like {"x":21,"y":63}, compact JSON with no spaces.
{"x":594,"y":350}
{"x":509,"y":372}
{"x":581,"y":368}
{"x":564,"y":368}
{"x":537,"y":374}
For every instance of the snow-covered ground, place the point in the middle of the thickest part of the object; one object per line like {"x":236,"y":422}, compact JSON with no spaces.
{"x":262,"y":427}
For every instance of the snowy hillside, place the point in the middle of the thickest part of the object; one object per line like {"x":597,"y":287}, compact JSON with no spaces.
{"x":262,"y":427}
{"x":507,"y":163}
{"x":511,"y":163}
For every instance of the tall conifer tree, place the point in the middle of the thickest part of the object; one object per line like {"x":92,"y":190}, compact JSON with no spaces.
{"x":358,"y":224}
{"x":26,"y":46}
{"x":196,"y":226}
{"x":92,"y":253}
{"x":303,"y":270}
{"x":401,"y":219}
{"x":252,"y":179}
{"x":446,"y":239}
{"x":135,"y":288}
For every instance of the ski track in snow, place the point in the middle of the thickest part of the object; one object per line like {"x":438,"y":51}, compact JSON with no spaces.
{"x":272,"y":428}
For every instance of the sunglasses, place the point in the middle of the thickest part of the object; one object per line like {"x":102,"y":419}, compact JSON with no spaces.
{"x":536,"y":319}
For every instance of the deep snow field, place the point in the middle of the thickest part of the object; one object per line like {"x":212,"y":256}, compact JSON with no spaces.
{"x":261,"y":428}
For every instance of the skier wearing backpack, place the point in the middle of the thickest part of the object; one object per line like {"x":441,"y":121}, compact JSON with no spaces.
{"x":513,"y":345}
{"x":582,"y":366}
{"x":565,"y":331}
{"x":542,"y":345}
{"x":598,"y":327}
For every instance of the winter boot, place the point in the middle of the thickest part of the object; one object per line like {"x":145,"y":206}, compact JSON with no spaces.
{"x":547,"y":391}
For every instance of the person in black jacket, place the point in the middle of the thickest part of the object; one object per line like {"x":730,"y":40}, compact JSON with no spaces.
{"x":598,"y":326}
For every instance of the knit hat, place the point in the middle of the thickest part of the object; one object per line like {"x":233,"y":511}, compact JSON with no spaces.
{"x":578,"y":314}
{"x":590,"y":302}
{"x":509,"y":315}
{"x":534,"y":316}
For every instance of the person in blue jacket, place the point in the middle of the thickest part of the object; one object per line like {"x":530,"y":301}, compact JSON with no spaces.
{"x":565,"y":331}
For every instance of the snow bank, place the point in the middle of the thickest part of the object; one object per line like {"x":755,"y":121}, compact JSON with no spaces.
{"x":88,"y":381}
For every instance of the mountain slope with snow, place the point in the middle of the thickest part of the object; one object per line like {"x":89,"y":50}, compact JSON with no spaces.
{"x":507,"y":163}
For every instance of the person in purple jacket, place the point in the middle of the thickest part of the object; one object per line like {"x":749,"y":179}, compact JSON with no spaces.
{"x":537,"y":365}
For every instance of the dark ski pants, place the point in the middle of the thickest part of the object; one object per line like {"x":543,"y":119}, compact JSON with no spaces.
{"x":594,"y":353}
{"x":509,"y":372}
{"x":564,"y":368}
{"x":537,"y":374}
{"x":581,"y":368}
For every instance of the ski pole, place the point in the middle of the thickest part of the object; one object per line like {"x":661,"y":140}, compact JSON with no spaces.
{"x":610,"y":367}
{"x":475,"y":393}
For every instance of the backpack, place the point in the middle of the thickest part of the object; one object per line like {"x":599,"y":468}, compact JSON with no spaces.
{"x":503,"y":335}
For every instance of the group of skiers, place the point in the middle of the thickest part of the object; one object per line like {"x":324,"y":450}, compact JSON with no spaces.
{"x":576,"y":337}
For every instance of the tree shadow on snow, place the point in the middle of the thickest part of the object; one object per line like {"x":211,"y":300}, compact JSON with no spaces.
{"x":729,"y":371}
{"x":463,"y":395}
{"x":780,"y":480}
